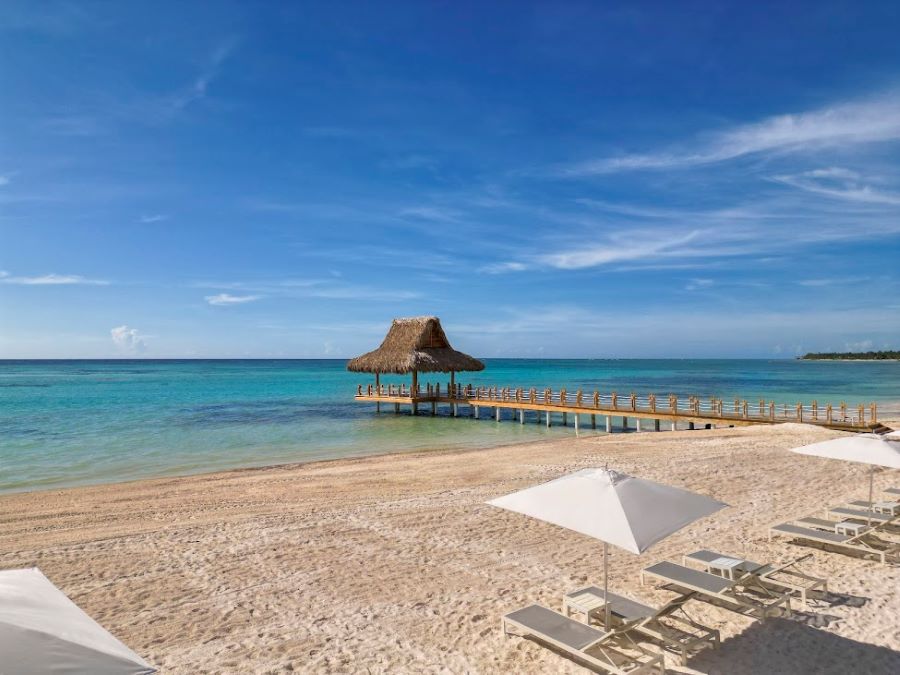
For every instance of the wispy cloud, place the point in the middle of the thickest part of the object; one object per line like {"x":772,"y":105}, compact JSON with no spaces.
{"x":224,"y":299}
{"x":503,"y":267}
{"x":128,"y":340}
{"x":147,"y":219}
{"x":51,"y":280}
{"x":840,"y":184}
{"x":864,"y":121}
{"x":620,"y":248}
{"x":4,"y":179}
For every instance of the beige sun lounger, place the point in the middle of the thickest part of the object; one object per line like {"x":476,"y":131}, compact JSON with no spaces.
{"x":721,"y":591}
{"x":860,"y":514}
{"x":669,"y":626}
{"x":892,"y":491}
{"x":888,"y":508}
{"x":783,"y":578}
{"x":864,"y":543}
{"x":591,"y":647}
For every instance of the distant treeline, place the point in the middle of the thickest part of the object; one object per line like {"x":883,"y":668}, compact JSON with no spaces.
{"x":852,"y":356}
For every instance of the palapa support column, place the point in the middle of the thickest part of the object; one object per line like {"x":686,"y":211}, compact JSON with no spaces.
{"x":414,"y":392}
{"x":377,"y":393}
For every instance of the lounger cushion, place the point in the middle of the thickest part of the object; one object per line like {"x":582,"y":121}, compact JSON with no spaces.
{"x":813,"y":535}
{"x":819,"y":523}
{"x":860,"y":515}
{"x":685,"y":576}
{"x":893,"y":491}
{"x":619,"y":605}
{"x":545,"y":622}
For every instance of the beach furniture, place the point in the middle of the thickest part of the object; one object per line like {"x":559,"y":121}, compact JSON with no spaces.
{"x":599,"y":650}
{"x":890,"y":508}
{"x":892,"y":491}
{"x":729,"y":593}
{"x":628,"y":512}
{"x":811,"y":534}
{"x":668,"y":626}
{"x":43,"y":631}
{"x":867,"y":516}
{"x":785,"y":578}
{"x":872,"y":449}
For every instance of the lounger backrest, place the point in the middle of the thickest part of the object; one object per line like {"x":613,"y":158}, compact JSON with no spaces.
{"x":545,"y":622}
{"x":812,"y":535}
{"x":820,"y":523}
{"x":707,"y":556}
{"x":892,"y":491}
{"x":685,"y":576}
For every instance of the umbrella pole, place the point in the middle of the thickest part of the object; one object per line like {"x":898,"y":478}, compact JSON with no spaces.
{"x":871,"y":482}
{"x":606,"y":581}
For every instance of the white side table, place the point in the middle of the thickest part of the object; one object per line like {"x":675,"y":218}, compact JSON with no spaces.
{"x":588,"y":603}
{"x":725,"y":566}
{"x":849,"y":528}
{"x":890,"y":508}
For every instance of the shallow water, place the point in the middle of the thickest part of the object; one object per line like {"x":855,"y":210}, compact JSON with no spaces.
{"x":77,"y":422}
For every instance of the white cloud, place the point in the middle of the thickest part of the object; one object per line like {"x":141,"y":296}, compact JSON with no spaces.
{"x":838,"y":183}
{"x":864,"y":121}
{"x":228,"y":299}
{"x":501,"y":267}
{"x":152,"y":218}
{"x":128,"y":340}
{"x":4,"y":180}
{"x":51,"y":280}
{"x":698,"y":284}
{"x":620,"y":249}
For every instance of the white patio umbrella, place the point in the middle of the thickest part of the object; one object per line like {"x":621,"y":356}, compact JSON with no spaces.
{"x":42,"y":631}
{"x":874,"y":449}
{"x":631,"y":513}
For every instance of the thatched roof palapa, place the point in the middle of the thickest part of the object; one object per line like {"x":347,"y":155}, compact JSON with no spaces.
{"x":415,"y":344}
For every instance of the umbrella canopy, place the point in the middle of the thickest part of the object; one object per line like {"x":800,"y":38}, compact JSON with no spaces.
{"x":863,"y":448}
{"x":42,"y":631}
{"x":628,"y":512}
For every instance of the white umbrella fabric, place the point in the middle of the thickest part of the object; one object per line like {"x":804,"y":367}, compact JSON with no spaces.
{"x":618,"y":509}
{"x":874,"y":449}
{"x":42,"y":631}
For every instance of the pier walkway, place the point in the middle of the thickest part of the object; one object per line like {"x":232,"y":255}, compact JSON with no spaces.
{"x":542,"y":405}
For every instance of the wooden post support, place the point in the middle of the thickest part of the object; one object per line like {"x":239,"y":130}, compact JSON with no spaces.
{"x":593,"y":421}
{"x":596,"y":399}
{"x":521,"y":415}
{"x":454,"y":409}
{"x":873,"y":413}
{"x":565,"y":419}
{"x":576,"y":424}
{"x":433,"y":408}
{"x":691,"y":426}
{"x":396,"y":408}
{"x":656,"y":425}
{"x":637,"y":424}
{"x":674,"y":425}
{"x":497,"y":413}
{"x":624,"y":423}
{"x":548,"y":419}
{"x":476,"y":412}
{"x":608,"y":424}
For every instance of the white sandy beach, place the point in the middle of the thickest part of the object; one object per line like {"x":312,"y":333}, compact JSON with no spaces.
{"x":395,"y":563}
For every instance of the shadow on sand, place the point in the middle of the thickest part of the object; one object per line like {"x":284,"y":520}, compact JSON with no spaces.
{"x":782,"y":646}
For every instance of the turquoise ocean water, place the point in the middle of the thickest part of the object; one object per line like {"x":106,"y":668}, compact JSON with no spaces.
{"x":68,"y":423}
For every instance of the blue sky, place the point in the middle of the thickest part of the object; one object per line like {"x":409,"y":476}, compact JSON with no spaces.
{"x":578,"y":179}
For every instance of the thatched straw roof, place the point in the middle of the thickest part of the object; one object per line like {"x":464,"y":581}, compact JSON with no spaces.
{"x":412,"y":344}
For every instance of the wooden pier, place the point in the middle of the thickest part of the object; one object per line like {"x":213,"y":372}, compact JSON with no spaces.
{"x":544,"y":405}
{"x":419,"y":345}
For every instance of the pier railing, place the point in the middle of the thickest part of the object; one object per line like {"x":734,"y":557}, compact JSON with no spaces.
{"x":650,"y":405}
